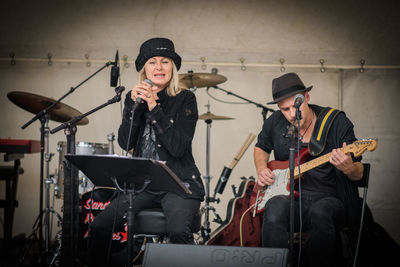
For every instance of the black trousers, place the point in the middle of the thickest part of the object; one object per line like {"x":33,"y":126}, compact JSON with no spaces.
{"x":179,"y":213}
{"x":322,"y":216}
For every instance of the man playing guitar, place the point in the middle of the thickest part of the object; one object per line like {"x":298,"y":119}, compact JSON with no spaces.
{"x":324,"y":205}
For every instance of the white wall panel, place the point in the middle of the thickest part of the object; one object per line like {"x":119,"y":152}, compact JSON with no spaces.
{"x":371,"y":101}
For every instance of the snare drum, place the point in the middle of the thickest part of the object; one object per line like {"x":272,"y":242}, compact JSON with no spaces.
{"x":81,"y":148}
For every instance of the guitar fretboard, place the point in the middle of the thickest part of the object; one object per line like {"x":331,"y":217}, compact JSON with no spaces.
{"x":311,"y":164}
{"x":316,"y":162}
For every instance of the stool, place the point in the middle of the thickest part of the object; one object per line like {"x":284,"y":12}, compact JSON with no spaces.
{"x":10,"y":175}
{"x":151,"y":223}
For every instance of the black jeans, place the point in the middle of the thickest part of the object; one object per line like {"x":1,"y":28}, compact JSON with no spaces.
{"x":179,"y":213}
{"x":322,"y":216}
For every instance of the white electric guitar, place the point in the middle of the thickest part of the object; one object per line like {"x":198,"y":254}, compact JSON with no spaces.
{"x":281,"y":186}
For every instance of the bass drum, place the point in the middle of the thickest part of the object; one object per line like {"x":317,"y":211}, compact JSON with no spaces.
{"x":81,"y":148}
{"x":91,"y":204}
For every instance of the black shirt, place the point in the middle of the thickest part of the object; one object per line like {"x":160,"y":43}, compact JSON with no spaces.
{"x":273,"y":137}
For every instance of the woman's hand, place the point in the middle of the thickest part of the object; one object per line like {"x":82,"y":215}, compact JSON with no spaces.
{"x":145,"y":92}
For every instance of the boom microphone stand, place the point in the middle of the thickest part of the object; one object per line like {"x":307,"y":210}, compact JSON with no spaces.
{"x":70,"y":222}
{"x":264,"y":108}
{"x":42,"y":117}
{"x":292,"y":150}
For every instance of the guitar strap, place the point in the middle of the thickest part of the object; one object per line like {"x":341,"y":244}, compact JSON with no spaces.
{"x":321,"y":129}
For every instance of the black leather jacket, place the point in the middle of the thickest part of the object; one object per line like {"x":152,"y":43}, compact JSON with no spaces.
{"x":174,"y":121}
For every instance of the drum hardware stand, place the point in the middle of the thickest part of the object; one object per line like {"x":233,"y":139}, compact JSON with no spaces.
{"x":33,"y":238}
{"x":264,"y":108}
{"x":44,"y":157}
{"x":191,"y":85}
{"x":48,"y":182}
{"x":69,"y":239}
{"x":205,"y":229}
{"x":57,"y":250}
{"x":111,"y":138}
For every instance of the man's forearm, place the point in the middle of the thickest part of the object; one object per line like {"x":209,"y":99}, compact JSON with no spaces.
{"x":260,"y":159}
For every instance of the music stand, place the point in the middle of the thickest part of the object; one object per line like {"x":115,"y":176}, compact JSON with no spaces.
{"x":140,"y":173}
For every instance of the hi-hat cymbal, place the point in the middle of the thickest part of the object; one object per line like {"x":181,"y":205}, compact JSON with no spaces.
{"x":191,"y":80}
{"x":210,"y":116}
{"x":36,"y":103}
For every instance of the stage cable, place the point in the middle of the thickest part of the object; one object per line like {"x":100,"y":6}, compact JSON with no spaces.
{"x":241,"y":223}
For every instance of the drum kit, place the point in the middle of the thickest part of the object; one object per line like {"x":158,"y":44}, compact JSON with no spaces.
{"x":60,"y":113}
{"x":63,"y":113}
{"x":89,"y":194}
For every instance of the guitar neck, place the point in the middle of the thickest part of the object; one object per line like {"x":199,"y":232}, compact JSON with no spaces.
{"x":312,"y":164}
{"x":357,"y":148}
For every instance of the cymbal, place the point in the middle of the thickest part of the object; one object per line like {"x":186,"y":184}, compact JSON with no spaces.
{"x":36,"y":103}
{"x":190,"y":80}
{"x":210,"y":116}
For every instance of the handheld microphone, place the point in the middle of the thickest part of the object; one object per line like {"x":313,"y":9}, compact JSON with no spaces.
{"x":298,"y":100}
{"x":135,"y":105}
{"x":139,"y":100}
{"x":115,"y":71}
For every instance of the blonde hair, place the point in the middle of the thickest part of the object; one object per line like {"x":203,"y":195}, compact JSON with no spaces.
{"x":173,"y":87}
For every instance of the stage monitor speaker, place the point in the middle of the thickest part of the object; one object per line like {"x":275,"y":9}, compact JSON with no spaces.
{"x":173,"y":255}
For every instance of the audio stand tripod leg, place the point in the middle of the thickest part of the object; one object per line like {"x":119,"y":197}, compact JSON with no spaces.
{"x":48,"y":181}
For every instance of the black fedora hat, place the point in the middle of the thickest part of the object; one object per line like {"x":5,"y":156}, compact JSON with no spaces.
{"x":285,"y":86}
{"x":157,"y":47}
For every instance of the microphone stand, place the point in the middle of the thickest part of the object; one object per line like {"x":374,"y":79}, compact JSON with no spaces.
{"x":43,"y":117}
{"x":292,"y":151}
{"x":71,"y":90}
{"x":264,"y":108}
{"x":69,"y":239}
{"x":130,"y":215}
{"x":75,"y":120}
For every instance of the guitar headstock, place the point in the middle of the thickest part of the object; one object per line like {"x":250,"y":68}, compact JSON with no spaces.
{"x":360,"y":146}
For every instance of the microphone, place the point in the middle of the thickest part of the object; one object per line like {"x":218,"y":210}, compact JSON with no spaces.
{"x":135,"y":105}
{"x":139,"y":100}
{"x":115,"y":71}
{"x":298,"y":100}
